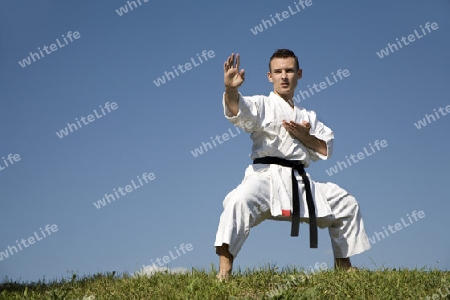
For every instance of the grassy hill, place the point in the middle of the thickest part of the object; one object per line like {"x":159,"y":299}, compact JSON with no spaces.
{"x":267,"y":283}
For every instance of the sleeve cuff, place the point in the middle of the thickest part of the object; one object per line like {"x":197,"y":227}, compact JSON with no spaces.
{"x":316,"y":155}
{"x":245,"y":118}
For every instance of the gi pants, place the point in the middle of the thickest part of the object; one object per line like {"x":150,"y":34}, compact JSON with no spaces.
{"x":249,"y":204}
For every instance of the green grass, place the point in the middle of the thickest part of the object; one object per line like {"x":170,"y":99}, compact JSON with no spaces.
{"x":266,"y":283}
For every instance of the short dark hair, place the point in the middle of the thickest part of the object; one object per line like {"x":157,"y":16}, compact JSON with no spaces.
{"x":284,"y":53}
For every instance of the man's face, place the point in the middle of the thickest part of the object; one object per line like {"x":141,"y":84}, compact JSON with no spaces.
{"x":284,"y":76}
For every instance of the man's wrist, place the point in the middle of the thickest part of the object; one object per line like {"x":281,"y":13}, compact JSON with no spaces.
{"x":231,"y":89}
{"x":317,"y":145}
{"x":312,"y":142}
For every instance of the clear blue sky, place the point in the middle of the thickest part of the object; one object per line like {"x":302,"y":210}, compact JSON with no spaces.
{"x":154,"y":129}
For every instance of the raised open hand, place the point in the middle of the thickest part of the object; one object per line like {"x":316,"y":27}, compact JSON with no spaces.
{"x":233,"y":77}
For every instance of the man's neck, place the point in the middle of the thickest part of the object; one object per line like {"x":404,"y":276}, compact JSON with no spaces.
{"x":284,"y":96}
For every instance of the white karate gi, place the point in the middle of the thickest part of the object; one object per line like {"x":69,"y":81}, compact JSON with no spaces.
{"x":266,"y":190}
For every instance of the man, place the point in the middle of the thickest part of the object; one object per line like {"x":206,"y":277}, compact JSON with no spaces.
{"x":275,"y":186}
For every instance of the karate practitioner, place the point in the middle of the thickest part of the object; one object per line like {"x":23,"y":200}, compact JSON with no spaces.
{"x":275,"y":185}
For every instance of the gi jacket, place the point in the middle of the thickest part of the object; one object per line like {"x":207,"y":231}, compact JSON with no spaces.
{"x":262,"y":117}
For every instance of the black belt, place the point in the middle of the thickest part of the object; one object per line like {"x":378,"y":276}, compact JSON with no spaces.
{"x":297,"y":165}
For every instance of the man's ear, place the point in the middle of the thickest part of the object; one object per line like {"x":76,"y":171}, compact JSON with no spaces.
{"x":300,"y":73}
{"x":269,"y":76}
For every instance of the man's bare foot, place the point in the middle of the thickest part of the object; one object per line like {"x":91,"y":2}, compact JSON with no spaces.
{"x":344,"y":264}
{"x":225,"y":262}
